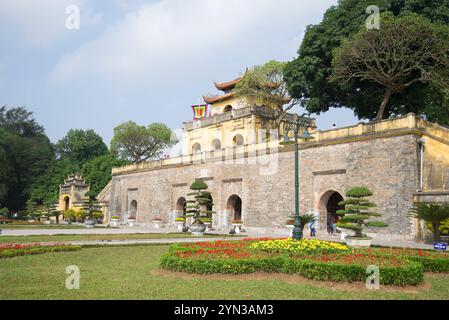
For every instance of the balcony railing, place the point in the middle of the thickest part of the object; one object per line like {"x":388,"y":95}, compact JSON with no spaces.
{"x":239,"y":113}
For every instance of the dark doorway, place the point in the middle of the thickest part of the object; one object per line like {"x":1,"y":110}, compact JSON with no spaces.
{"x":234,"y":206}
{"x":332,"y":207}
{"x":66,"y":203}
{"x":133,"y":211}
{"x":181,"y":206}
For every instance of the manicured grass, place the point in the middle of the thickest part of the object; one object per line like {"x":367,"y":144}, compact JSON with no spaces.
{"x":132,"y":273}
{"x":88,"y":237}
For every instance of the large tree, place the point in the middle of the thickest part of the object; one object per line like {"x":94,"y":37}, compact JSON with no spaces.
{"x":265,"y":85}
{"x":139,"y":143}
{"x":81,"y":145}
{"x":27,"y":155}
{"x":308,"y":76}
{"x":405,"y":51}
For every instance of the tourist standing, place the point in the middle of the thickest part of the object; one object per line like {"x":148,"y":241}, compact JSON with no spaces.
{"x":312,"y":228}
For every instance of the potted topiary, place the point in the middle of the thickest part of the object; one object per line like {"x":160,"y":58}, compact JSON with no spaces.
{"x":90,"y":208}
{"x":237,"y":224}
{"x":208,"y":222}
{"x":179,"y":223}
{"x":115,"y":220}
{"x":355,"y":214}
{"x":157,"y":222}
{"x":196,"y":207}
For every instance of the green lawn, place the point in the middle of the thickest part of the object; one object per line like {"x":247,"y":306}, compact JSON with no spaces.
{"x":131,"y":273}
{"x":87,"y":237}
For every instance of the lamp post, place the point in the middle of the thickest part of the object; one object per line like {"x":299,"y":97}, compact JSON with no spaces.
{"x":296,"y":124}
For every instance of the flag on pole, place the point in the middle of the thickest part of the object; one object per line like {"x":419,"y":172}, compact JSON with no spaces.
{"x":199,"y":111}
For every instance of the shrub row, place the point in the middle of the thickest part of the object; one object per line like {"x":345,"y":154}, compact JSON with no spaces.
{"x":11,"y":253}
{"x":409,"y":273}
{"x":430,"y":260}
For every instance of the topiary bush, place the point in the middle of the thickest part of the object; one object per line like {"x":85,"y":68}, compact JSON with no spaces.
{"x":356,"y":212}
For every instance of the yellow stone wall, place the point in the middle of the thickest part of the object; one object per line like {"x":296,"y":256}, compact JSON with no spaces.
{"x":436,"y":158}
{"x":219,"y":106}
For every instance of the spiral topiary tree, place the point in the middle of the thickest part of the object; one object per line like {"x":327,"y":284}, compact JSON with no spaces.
{"x":356,"y":212}
{"x":201,"y":199}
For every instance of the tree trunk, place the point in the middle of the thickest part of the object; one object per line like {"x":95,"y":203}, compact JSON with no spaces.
{"x":383,"y":105}
{"x":436,"y":232}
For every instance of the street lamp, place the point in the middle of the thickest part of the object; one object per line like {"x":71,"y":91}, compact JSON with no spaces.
{"x":297,"y":123}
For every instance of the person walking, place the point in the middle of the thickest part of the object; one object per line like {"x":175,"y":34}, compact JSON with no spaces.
{"x":329,"y":225}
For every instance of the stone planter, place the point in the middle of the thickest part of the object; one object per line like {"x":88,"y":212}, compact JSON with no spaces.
{"x":208,"y":226}
{"x":358,"y":242}
{"x":179,"y":225}
{"x":90,"y":223}
{"x":237,"y":227}
{"x":157,"y":224}
{"x":115,"y":222}
{"x":132,"y":222}
{"x":197,"y":229}
{"x":290,"y":228}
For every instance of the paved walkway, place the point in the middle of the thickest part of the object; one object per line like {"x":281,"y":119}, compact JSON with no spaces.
{"x":219,"y":236}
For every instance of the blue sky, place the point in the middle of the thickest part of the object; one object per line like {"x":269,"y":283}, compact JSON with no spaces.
{"x":145,"y":61}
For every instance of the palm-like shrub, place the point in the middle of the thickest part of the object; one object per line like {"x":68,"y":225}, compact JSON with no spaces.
{"x":306,"y":218}
{"x":431,"y":213}
{"x":201,"y":199}
{"x":356,"y":212}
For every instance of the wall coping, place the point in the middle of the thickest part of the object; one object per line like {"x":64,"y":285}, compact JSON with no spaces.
{"x":406,"y":125}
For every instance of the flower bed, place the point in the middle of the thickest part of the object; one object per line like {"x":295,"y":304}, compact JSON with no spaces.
{"x":11,"y":250}
{"x":249,"y":255}
{"x":305,"y":246}
{"x":430,"y":260}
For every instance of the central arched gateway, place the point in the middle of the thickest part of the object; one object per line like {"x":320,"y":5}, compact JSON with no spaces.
{"x":328,"y":207}
{"x":234,"y":207}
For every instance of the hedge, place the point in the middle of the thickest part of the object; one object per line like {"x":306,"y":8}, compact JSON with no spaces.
{"x":11,"y":253}
{"x":410,"y":273}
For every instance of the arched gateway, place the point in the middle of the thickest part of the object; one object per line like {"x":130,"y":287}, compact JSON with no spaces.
{"x":234,"y":207}
{"x":328,"y":207}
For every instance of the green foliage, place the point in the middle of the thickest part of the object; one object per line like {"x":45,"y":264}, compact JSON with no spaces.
{"x":26,"y":154}
{"x":432,"y":213}
{"x":306,"y":218}
{"x":356,"y":211}
{"x":32,"y":250}
{"x":80,"y":146}
{"x":358,"y":192}
{"x":91,"y":209}
{"x":265,"y":85}
{"x":308,"y":75}
{"x":98,"y":171}
{"x":139,"y":143}
{"x":409,"y":274}
{"x":198,"y":185}
{"x":405,"y":52}
{"x":70,"y":214}
{"x":197,"y":208}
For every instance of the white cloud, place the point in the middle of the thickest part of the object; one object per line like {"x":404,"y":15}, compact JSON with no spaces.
{"x":174,"y":38}
{"x":40,"y":23}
